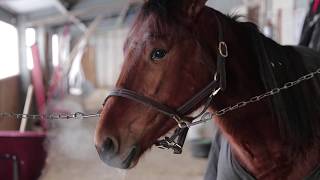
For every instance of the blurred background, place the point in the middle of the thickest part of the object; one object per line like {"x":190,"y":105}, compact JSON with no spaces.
{"x":62,"y":56}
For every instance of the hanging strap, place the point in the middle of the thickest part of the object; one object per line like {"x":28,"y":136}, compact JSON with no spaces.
{"x":315,"y":6}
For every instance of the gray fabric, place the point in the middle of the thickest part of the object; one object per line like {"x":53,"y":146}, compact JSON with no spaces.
{"x":223,"y":166}
{"x":295,"y":109}
{"x":310,"y":36}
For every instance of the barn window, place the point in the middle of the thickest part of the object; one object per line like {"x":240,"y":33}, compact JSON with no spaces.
{"x":9,"y":58}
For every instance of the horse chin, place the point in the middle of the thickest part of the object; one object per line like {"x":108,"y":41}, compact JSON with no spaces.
{"x":132,"y":158}
{"x":129,"y":161}
{"x":131,"y":165}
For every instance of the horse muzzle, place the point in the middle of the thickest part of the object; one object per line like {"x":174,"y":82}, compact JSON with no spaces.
{"x":109,"y":153}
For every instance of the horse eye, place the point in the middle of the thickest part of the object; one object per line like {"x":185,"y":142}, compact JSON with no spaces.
{"x":158,"y":54}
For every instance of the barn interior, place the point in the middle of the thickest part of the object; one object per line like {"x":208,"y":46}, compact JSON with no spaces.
{"x":61,"y":57}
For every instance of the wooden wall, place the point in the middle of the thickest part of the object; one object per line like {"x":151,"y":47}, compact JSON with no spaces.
{"x":109,"y":55}
{"x":89,"y":65}
{"x":9,"y":101}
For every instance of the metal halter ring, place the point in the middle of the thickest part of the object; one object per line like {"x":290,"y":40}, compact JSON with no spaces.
{"x":181,"y":123}
{"x":215,"y":92}
{"x":223,"y":49}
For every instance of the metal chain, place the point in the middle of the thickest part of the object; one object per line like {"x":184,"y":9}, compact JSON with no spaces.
{"x":77,"y":115}
{"x":205,"y":118}
{"x":208,"y":116}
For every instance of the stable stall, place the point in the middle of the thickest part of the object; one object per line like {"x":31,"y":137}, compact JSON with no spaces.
{"x":60,"y":59}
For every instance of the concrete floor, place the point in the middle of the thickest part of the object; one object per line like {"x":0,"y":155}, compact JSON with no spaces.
{"x":72,"y":156}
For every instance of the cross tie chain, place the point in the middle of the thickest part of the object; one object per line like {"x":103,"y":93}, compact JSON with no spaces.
{"x":205,"y":118}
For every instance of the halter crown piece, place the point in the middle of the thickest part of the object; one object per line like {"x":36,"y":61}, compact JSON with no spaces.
{"x":180,"y":115}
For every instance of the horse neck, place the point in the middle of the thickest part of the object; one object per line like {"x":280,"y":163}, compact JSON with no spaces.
{"x":243,"y":79}
{"x":251,"y":131}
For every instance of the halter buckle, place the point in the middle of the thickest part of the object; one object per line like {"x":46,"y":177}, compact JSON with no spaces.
{"x":223,"y":49}
{"x":175,"y":142}
{"x":169,"y":143}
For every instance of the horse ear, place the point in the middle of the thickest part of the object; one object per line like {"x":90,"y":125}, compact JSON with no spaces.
{"x":193,"y":7}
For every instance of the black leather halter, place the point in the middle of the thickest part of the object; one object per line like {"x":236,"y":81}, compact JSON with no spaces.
{"x":180,"y":115}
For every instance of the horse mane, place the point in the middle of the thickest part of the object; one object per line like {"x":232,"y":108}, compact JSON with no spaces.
{"x":297,"y":109}
{"x":162,"y":8}
{"x":166,"y":8}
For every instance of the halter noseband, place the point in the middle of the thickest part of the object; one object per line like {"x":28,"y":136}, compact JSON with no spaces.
{"x":180,"y":115}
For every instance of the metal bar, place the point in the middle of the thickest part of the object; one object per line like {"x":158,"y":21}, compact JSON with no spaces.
{"x":15,"y":164}
{"x":15,"y":168}
{"x":91,"y":115}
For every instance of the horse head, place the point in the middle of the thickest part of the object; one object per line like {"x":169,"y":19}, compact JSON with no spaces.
{"x":166,"y":61}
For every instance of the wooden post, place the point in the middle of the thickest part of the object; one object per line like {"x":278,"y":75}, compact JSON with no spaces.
{"x":26,"y":108}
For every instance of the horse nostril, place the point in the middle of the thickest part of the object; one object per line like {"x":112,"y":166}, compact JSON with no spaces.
{"x":110,"y":146}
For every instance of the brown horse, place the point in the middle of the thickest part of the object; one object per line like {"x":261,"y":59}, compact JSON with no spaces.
{"x":171,"y":55}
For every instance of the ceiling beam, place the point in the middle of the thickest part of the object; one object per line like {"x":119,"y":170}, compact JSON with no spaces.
{"x":123,"y":13}
{"x":8,"y":17}
{"x":79,"y":47}
{"x":70,"y":16}
{"x":83,"y":41}
{"x":60,"y":19}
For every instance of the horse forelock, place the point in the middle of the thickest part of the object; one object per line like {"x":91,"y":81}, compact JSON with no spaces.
{"x":162,"y":7}
{"x":154,"y":18}
{"x":151,"y":25}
